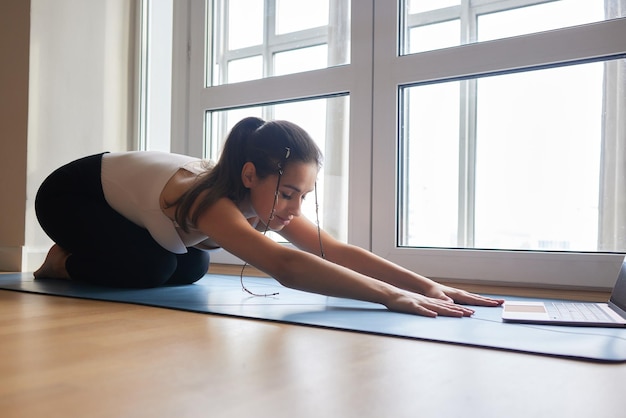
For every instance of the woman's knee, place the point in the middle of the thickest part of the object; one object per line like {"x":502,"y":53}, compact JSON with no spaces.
{"x":191,"y":267}
{"x":146,"y":272}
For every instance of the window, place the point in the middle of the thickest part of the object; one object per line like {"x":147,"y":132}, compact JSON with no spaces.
{"x":426,"y":111}
{"x":252,"y":39}
{"x":477,"y":154}
{"x":506,"y":165}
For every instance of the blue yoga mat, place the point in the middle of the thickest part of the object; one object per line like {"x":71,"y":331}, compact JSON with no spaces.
{"x":221,"y":294}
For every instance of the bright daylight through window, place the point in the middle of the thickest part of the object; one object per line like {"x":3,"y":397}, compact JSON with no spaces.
{"x":521,"y":161}
{"x":252,"y":39}
{"x":541,"y":163}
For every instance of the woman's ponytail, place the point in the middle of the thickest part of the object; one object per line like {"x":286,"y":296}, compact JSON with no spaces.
{"x":235,"y":152}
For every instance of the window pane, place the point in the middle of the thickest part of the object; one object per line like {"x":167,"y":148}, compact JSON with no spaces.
{"x":435,"y":36}
{"x":245,"y":23}
{"x":483,"y":20}
{"x":245,"y":69}
{"x":290,"y":13}
{"x":525,"y":161}
{"x":419,"y":6}
{"x":429,"y":164}
{"x":299,"y":60}
{"x":288,"y":36}
{"x":326,"y":120}
{"x":537,"y":18}
{"x":539,"y":143}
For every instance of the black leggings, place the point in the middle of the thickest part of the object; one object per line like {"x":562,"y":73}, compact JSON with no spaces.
{"x":105,"y":247}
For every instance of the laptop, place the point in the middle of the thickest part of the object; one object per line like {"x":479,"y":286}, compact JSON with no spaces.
{"x":611,"y":314}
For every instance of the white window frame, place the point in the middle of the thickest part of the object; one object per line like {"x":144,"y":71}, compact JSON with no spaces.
{"x":372,"y":211}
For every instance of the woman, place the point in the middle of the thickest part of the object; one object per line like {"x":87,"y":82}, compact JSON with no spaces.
{"x":145,"y":219}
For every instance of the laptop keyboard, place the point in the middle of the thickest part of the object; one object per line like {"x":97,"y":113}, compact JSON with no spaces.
{"x":582,"y":312}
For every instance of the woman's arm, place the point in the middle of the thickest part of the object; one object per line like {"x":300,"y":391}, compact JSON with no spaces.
{"x":304,"y":235}
{"x":304,"y":271}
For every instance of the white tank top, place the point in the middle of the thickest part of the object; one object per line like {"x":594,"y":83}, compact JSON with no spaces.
{"x":132,"y":183}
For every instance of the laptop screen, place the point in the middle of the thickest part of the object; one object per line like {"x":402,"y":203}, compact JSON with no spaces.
{"x":618,"y":297}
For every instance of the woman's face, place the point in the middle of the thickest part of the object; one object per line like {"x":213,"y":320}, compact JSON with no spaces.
{"x":297,"y":181}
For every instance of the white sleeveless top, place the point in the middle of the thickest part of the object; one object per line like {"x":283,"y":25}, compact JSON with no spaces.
{"x":132,"y":183}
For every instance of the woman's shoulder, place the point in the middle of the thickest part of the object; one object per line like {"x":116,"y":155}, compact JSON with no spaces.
{"x":150,"y":157}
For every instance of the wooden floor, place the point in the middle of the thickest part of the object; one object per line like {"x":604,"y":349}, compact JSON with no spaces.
{"x":63,"y":357}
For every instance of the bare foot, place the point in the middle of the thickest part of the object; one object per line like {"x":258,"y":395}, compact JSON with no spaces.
{"x":53,"y":266}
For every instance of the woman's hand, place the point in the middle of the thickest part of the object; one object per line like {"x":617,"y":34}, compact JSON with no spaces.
{"x":439,"y":300}
{"x":452,"y":294}
{"x":414,"y":303}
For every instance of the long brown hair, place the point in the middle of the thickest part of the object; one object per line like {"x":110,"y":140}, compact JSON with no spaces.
{"x":252,"y":140}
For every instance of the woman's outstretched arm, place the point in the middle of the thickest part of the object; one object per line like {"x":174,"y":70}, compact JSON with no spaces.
{"x":225,"y":224}
{"x":303,"y":233}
